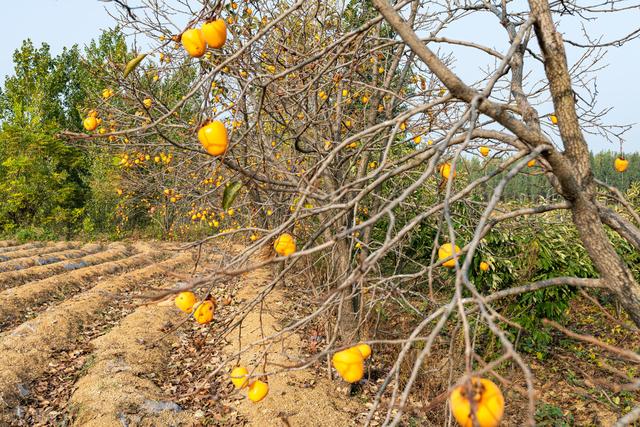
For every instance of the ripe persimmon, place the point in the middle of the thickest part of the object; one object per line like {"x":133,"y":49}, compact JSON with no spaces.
{"x":239,"y":377}
{"x":481,"y":399}
{"x":445,"y":170}
{"x":446,"y":251}
{"x":193,"y":42}
{"x":350,"y":364}
{"x":213,"y":137}
{"x":258,"y":391}
{"x":204,"y":312}
{"x":90,"y":123}
{"x":620,"y":164}
{"x":215,"y":33}
{"x":185,"y":301}
{"x":285,"y":245}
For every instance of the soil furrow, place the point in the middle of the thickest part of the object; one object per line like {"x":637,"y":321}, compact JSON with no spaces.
{"x":26,"y":253}
{"x":121,"y":387}
{"x":22,"y":247}
{"x":7,"y":243}
{"x":23,"y":302}
{"x":125,"y":384}
{"x":295,"y":398}
{"x":26,"y":351}
{"x":50,"y":257}
{"x":11,"y":279}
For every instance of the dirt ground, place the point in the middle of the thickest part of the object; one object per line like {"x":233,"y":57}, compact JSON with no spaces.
{"x":85,"y":346}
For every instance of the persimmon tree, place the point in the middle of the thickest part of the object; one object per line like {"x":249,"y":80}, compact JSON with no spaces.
{"x":349,"y":129}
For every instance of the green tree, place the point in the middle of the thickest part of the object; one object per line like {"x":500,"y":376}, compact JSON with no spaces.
{"x":41,"y":177}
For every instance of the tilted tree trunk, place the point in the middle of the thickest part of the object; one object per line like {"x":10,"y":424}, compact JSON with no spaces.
{"x":578,"y":183}
{"x":571,"y":171}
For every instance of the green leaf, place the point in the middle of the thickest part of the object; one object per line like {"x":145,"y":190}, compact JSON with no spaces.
{"x":131,"y":65}
{"x":230,"y":194}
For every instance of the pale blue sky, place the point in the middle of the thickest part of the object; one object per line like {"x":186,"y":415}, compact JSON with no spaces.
{"x":57,"y":22}
{"x":67,"y":22}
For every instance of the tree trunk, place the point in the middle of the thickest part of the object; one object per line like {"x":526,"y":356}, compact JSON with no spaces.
{"x":611,"y":267}
{"x":574,"y":173}
{"x":341,"y":261}
{"x":348,"y":321}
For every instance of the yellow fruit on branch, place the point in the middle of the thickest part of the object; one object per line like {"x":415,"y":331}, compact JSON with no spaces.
{"x":554,"y":119}
{"x":480,"y":399}
{"x":90,"y":123}
{"x":364,"y":349}
{"x":258,"y":390}
{"x":215,"y":33}
{"x":350,"y":364}
{"x":531,"y":163}
{"x":204,"y":312}
{"x":147,"y":102}
{"x":185,"y":301}
{"x":445,"y":170}
{"x":193,"y":42}
{"x":620,"y":164}
{"x":445,"y":252}
{"x":285,"y":245}
{"x":484,"y":151}
{"x":484,"y":266}
{"x":213,"y":138}
{"x":239,"y":377}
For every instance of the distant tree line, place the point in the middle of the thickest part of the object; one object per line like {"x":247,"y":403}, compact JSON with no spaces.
{"x":532,"y":184}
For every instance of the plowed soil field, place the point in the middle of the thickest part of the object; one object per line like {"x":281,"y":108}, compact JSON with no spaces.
{"x":82,"y":343}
